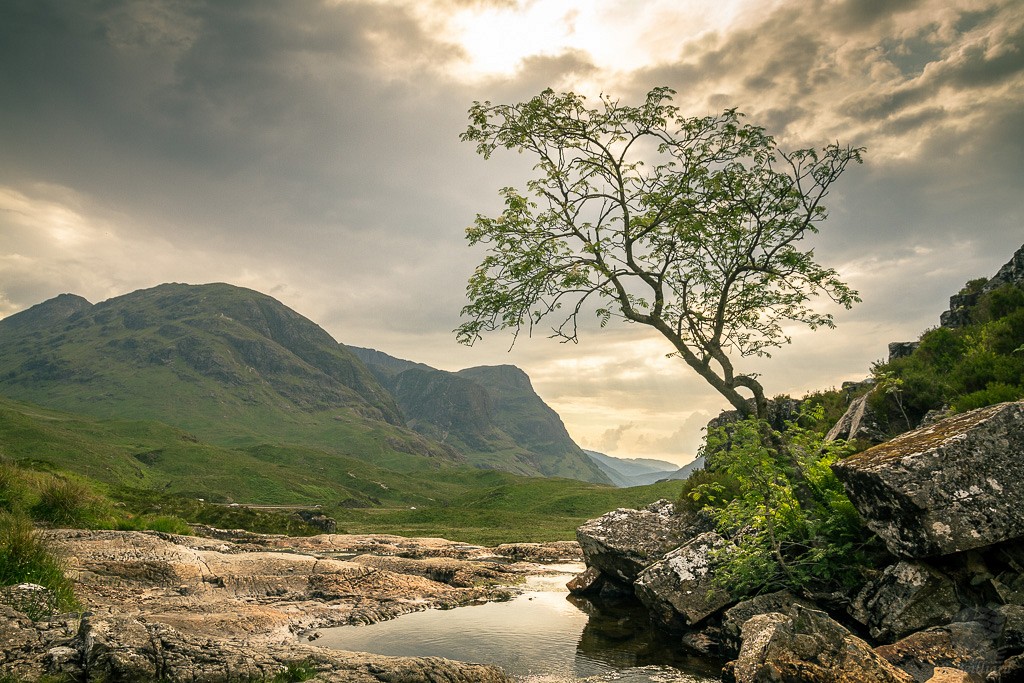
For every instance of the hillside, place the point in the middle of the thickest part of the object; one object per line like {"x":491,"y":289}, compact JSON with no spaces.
{"x":238,"y":369}
{"x":151,"y":467}
{"x":490,"y":414}
{"x":230,"y":365}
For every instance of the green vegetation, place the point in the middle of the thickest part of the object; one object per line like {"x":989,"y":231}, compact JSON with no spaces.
{"x":967,"y":367}
{"x":788,"y":520}
{"x":513,"y":509}
{"x":295,"y":672}
{"x":26,"y":558}
{"x":145,"y":475}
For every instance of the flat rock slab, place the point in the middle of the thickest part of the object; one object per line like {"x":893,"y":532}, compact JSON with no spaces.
{"x":954,"y":485}
{"x":181,"y":608}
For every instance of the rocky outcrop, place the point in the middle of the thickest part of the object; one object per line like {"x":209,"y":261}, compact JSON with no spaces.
{"x":806,"y":646}
{"x":127,"y":648}
{"x":624,"y":542}
{"x":1012,"y":273}
{"x":858,"y":422}
{"x":736,"y":616}
{"x":902,"y":349}
{"x":944,"y":488}
{"x":907,"y":597}
{"x":681,"y":587}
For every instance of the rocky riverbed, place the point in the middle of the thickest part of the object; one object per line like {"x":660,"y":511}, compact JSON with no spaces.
{"x":232,"y":606}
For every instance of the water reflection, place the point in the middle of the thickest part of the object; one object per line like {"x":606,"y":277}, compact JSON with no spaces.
{"x":543,"y":635}
{"x":620,"y":636}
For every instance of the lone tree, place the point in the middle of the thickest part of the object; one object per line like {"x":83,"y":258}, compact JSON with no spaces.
{"x":689,"y":225}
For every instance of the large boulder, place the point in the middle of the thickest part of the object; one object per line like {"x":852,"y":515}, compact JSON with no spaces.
{"x":807,"y":646}
{"x":907,"y":597}
{"x":681,"y":587}
{"x":968,"y":646}
{"x":624,"y":542}
{"x":948,"y":487}
{"x":736,"y":616}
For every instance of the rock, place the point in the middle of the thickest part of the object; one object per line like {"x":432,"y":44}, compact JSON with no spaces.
{"x":29,"y":598}
{"x":587,"y":582}
{"x":1012,"y":272}
{"x":700,"y":643}
{"x":1011,"y":671}
{"x":807,"y":646}
{"x":680,"y":587}
{"x":902,"y":349}
{"x":126,"y":649}
{"x":624,"y":542}
{"x":858,"y":422}
{"x":944,"y":488}
{"x":739,"y":614}
{"x":968,"y":646}
{"x":1012,"y":635}
{"x":447,"y":570}
{"x":907,"y":597}
{"x":945,"y":674}
{"x":553,"y":551}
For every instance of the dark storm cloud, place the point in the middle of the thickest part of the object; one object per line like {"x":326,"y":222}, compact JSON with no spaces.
{"x":207,"y":101}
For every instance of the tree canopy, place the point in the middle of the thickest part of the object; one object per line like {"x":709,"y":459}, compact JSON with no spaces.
{"x":692,"y":226}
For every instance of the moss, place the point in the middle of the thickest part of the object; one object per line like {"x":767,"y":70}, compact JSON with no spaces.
{"x":923,"y":439}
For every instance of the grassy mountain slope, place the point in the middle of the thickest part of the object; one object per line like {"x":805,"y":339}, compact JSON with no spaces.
{"x":151,"y":465}
{"x":490,"y":414}
{"x":232,"y":366}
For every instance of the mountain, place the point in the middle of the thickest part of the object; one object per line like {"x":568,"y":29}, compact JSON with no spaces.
{"x":490,"y":414}
{"x":627,"y":472}
{"x":228,"y":364}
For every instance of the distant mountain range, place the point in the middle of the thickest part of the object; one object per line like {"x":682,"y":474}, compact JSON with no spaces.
{"x":641,"y":471}
{"x":237,"y":368}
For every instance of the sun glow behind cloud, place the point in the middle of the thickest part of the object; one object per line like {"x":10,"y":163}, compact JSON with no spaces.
{"x":615,"y":36}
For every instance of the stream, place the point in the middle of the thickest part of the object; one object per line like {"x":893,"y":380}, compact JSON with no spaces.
{"x":543,"y":635}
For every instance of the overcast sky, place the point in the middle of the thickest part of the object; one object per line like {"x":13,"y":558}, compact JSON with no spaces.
{"x":310,"y":150}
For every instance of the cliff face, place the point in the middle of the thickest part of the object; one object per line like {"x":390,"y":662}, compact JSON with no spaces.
{"x":491,"y":414}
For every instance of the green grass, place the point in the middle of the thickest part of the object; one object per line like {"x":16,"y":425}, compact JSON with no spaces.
{"x":25,"y":558}
{"x":530,"y":510}
{"x":158,"y":472}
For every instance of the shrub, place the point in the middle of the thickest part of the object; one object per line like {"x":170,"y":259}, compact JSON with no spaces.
{"x":995,"y":392}
{"x":66,"y":503}
{"x":788,"y":519}
{"x":26,"y":558}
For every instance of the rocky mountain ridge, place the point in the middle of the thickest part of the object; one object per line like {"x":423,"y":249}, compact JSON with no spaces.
{"x":490,"y":413}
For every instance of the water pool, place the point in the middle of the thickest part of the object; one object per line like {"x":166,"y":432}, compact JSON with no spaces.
{"x":542,"y":635}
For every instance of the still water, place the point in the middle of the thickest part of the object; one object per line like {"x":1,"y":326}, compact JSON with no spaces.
{"x":542,"y":635}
